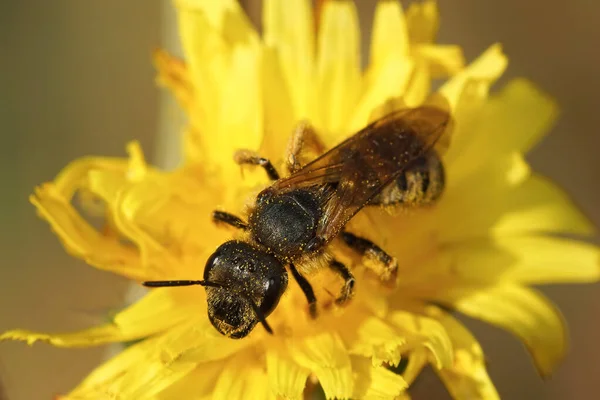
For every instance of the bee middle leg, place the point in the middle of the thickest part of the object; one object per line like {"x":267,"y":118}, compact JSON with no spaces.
{"x":387,"y":265}
{"x":242,"y":157}
{"x":304,"y":136}
{"x":347,"y":291}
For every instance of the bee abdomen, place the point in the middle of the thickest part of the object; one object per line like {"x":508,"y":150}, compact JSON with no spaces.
{"x":420,"y":184}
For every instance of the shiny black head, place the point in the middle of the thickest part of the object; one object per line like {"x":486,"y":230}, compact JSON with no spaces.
{"x":286,"y":223}
{"x":243,"y":286}
{"x":252,"y":283}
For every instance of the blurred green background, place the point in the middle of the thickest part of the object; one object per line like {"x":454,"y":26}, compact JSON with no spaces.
{"x":76,"y":79}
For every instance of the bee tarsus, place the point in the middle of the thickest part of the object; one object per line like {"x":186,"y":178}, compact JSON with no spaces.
{"x":248,"y":157}
{"x":347,"y":291}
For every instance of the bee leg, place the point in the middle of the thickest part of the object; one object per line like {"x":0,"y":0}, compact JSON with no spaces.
{"x":348,"y":289}
{"x":242,"y":157}
{"x":303,"y":136}
{"x":307,"y":290}
{"x":388,"y":265}
{"x":229,"y":219}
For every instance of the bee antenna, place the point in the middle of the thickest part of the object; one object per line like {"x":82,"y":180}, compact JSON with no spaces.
{"x":178,"y":283}
{"x":255,"y":308}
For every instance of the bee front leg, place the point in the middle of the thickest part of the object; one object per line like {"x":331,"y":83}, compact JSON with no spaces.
{"x":348,"y":289}
{"x":387,"y":266}
{"x":219,"y":217}
{"x":242,"y":157}
{"x":304,"y":136}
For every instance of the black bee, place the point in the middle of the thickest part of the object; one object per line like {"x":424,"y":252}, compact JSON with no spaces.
{"x":391,"y":162}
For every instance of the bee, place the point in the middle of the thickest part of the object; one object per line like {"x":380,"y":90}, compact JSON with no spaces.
{"x":391,"y":162}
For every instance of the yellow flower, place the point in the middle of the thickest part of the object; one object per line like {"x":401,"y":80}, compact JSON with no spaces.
{"x":475,"y":252}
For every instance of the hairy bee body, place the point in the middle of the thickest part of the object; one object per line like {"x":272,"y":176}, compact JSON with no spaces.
{"x":420,"y":184}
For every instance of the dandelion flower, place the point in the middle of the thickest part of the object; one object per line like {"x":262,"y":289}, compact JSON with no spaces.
{"x":491,"y":235}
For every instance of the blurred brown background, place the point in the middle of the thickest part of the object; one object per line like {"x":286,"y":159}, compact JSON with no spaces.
{"x":76,"y":80}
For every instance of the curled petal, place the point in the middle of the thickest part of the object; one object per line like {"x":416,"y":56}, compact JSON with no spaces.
{"x":375,"y":339}
{"x":325,"y":355}
{"x":53,"y":202}
{"x":374,"y":381}
{"x":427,"y":333}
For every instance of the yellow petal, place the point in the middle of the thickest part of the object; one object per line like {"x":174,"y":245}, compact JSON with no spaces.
{"x":53,"y":203}
{"x":424,"y":332}
{"x":387,"y":82}
{"x":242,"y":378}
{"x":390,"y":37}
{"x":443,"y":60}
{"x":466,"y":94}
{"x":534,"y":205}
{"x":418,"y":85}
{"x":375,"y":382}
{"x":155,"y":312}
{"x":338,"y":68}
{"x":524,"y":259}
{"x":467,"y":378}
{"x":417,"y":360}
{"x":279,"y":118}
{"x":525,"y":313}
{"x":289,"y":31}
{"x":539,"y":205}
{"x":286,"y":378}
{"x":223,"y":56}
{"x":390,"y":63}
{"x":516,"y":118}
{"x":173,"y":74}
{"x":201,"y":382}
{"x":143,"y":367}
{"x":325,"y":355}
{"x":375,"y":339}
{"x":511,"y":121}
{"x":423,"y":20}
{"x":486,"y":69}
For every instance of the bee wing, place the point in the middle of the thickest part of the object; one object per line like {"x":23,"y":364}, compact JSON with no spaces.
{"x":361,"y":166}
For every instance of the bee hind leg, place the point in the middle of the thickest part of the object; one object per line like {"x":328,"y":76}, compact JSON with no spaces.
{"x":386,"y":265}
{"x":243,"y":157}
{"x":347,"y":291}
